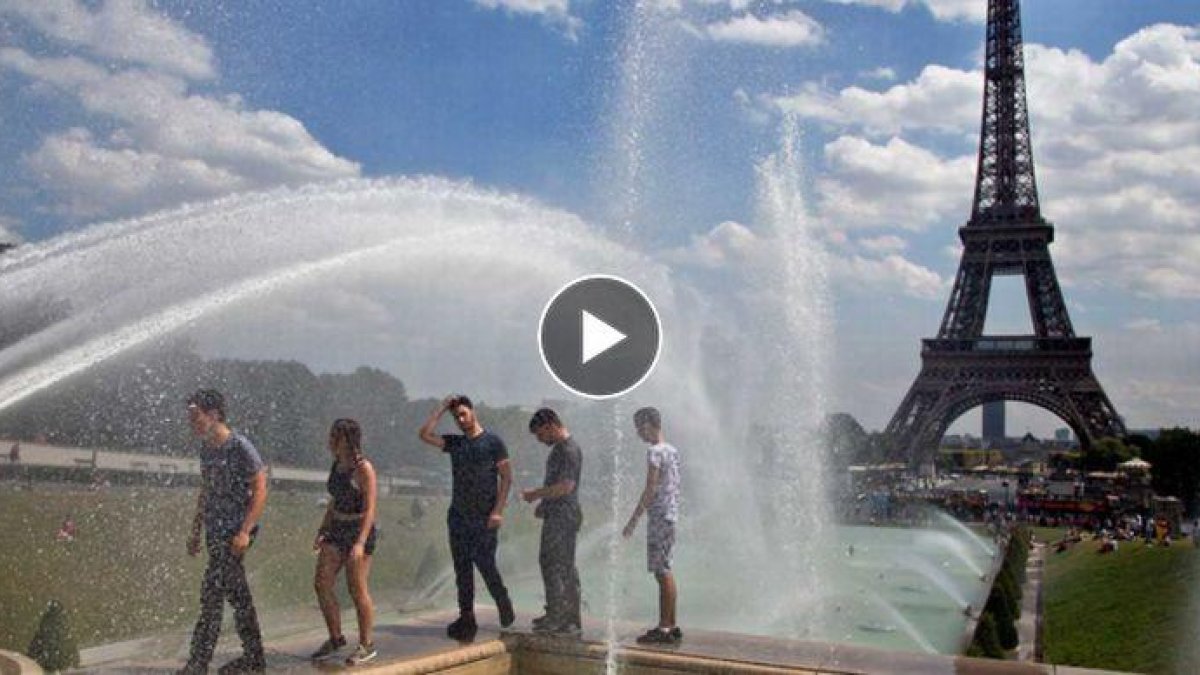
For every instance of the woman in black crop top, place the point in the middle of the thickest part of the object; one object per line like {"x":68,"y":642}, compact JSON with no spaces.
{"x":347,"y":537}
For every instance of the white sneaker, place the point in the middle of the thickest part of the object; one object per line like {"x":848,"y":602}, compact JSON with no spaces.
{"x":362,"y":654}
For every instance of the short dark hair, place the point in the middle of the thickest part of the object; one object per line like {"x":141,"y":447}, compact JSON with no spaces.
{"x":648,"y":416}
{"x":460,"y":399}
{"x":543,"y":417}
{"x":208,"y":400}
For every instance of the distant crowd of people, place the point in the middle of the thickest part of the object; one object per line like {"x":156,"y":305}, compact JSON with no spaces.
{"x":233,"y":496}
{"x":1110,"y":534}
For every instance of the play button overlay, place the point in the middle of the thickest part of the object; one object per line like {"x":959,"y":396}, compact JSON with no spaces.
{"x":599,"y":336}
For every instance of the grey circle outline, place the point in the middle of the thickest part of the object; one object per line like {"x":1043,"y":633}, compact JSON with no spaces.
{"x":657,"y":346}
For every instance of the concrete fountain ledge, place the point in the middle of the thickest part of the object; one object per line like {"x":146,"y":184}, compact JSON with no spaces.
{"x":12,"y":663}
{"x":726,"y":653}
{"x":415,"y":645}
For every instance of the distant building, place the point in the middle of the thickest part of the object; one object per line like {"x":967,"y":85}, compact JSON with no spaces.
{"x":1062,"y":435}
{"x":993,"y":421}
{"x":1152,"y":434}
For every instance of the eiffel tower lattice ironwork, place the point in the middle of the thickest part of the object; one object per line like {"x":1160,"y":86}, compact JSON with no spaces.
{"x":1006,"y":235}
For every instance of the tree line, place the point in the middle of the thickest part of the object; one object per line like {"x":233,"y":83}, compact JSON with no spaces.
{"x":136,"y":403}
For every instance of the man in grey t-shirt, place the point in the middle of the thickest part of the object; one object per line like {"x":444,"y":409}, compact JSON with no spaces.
{"x":561,"y":516}
{"x":233,"y":494}
{"x":660,"y":499}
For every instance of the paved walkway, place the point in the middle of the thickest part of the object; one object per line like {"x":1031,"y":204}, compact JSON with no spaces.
{"x":402,"y":640}
{"x":1029,"y":648}
{"x":416,"y":644}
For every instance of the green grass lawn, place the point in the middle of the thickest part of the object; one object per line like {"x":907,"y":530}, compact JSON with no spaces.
{"x":1133,"y":610}
{"x":127,"y":573}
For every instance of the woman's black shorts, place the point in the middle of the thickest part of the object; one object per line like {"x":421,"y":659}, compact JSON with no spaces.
{"x":343,"y":533}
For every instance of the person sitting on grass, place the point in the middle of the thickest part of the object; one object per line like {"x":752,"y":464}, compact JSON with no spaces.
{"x":66,"y":531}
{"x":347,"y":537}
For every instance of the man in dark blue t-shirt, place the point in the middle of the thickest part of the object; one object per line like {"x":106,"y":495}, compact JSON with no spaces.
{"x":233,"y":494}
{"x":482,"y":477}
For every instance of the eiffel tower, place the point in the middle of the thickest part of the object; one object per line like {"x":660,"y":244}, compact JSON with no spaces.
{"x":1006,"y":235}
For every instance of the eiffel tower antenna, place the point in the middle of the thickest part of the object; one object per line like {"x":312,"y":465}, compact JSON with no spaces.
{"x":1006,"y":235}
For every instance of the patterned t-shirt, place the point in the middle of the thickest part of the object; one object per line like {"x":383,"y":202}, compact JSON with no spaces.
{"x":665,"y":505}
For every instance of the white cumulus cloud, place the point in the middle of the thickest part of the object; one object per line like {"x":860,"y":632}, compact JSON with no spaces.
{"x":1117,"y":156}
{"x":888,"y":274}
{"x":1159,"y":384}
{"x":940,"y":98}
{"x":892,"y":185}
{"x":791,"y":29}
{"x":728,"y":244}
{"x":881,"y":73}
{"x":127,"y":30}
{"x":942,"y":10}
{"x":123,"y":180}
{"x":736,"y":249}
{"x":150,"y":139}
{"x":554,"y":12}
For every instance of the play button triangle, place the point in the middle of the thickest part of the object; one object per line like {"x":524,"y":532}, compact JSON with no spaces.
{"x":598,"y":336}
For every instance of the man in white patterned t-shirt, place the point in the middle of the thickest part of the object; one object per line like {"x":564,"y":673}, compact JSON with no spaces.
{"x":660,"y":499}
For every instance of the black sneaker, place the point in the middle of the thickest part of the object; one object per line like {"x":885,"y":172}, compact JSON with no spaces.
{"x":243,"y":664}
{"x":676,"y":633}
{"x":539,"y":620}
{"x":658,"y":636}
{"x":328,"y":648}
{"x":565,"y":629}
{"x":507,"y":615}
{"x":463,"y":629}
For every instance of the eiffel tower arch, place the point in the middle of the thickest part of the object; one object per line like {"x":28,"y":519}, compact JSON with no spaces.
{"x":1006,"y":235}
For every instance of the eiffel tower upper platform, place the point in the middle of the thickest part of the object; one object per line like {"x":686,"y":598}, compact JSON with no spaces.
{"x":1006,"y":235}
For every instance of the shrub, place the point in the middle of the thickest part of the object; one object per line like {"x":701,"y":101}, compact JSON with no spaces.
{"x":986,"y":639}
{"x":52,"y":646}
{"x":1011,"y":590}
{"x":1006,"y":628}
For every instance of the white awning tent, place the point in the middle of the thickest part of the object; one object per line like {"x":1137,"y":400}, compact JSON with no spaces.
{"x":1135,"y":464}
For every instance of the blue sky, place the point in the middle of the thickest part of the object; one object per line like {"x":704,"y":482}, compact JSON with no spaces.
{"x":532,"y":97}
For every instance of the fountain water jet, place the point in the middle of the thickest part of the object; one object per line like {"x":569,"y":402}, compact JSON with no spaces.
{"x":795,"y":281}
{"x":957,"y":547}
{"x":383,"y":248}
{"x":135,"y":281}
{"x":953,"y":523}
{"x":934,"y":576}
